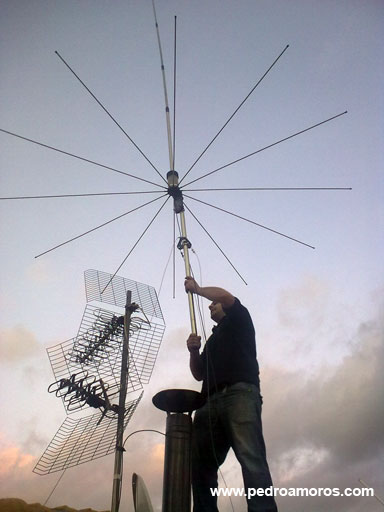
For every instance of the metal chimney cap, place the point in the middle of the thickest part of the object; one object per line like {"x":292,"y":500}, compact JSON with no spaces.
{"x":178,"y":400}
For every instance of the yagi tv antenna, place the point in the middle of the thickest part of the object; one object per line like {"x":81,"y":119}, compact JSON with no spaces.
{"x":104,"y":368}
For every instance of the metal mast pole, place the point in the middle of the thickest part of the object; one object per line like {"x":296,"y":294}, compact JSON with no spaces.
{"x":117,"y":472}
{"x":184,"y":244}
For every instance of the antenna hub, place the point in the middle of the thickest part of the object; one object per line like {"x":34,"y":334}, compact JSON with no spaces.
{"x":175,"y":192}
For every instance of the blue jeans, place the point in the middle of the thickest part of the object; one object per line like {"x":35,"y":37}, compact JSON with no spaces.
{"x":231,"y":418}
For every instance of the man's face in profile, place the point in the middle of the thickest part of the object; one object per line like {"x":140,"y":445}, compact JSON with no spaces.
{"x":217,"y":312}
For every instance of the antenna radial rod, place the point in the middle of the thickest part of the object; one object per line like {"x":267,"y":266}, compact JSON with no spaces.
{"x":266,"y":147}
{"x":108,"y":113}
{"x":252,"y":222}
{"x":97,"y":227}
{"x":211,"y":237}
{"x":138,"y":240}
{"x":261,"y":189}
{"x":84,"y":195}
{"x":168,"y":119}
{"x":234,"y":113}
{"x":79,"y":157}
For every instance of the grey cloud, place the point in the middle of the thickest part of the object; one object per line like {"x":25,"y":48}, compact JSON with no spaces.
{"x":335,"y":419}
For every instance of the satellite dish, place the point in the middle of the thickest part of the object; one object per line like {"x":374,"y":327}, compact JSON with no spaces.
{"x":141,"y":499}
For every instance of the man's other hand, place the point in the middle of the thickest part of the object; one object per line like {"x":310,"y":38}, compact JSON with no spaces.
{"x":193,"y":342}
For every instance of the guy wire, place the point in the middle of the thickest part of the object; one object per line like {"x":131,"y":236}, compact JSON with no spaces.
{"x":165,"y":270}
{"x":54,"y":487}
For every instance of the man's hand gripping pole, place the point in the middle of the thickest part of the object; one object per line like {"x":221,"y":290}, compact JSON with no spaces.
{"x":185,"y":243}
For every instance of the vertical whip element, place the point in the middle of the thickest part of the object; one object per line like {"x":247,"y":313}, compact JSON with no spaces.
{"x":168,"y":119}
{"x":173,"y":177}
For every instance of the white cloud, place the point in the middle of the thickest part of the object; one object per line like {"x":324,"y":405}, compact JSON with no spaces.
{"x":314,"y":327}
{"x":298,"y":461}
{"x":40,"y":272}
{"x":12,"y":458}
{"x":305,"y":304}
{"x":17,"y":344}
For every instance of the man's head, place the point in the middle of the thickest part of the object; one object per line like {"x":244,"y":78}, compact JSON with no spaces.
{"x":217,"y":312}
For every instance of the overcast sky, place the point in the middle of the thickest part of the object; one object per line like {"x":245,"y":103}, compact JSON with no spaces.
{"x":317,"y":312}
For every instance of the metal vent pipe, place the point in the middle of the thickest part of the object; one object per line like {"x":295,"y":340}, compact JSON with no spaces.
{"x":179,"y":405}
{"x":177,"y":464}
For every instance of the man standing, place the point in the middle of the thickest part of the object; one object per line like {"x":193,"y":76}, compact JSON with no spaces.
{"x":231,"y":417}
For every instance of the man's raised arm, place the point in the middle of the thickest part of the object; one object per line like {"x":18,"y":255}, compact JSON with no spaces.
{"x":212,"y":293}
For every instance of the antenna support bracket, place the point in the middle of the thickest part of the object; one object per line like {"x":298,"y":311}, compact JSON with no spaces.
{"x":182,"y":242}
